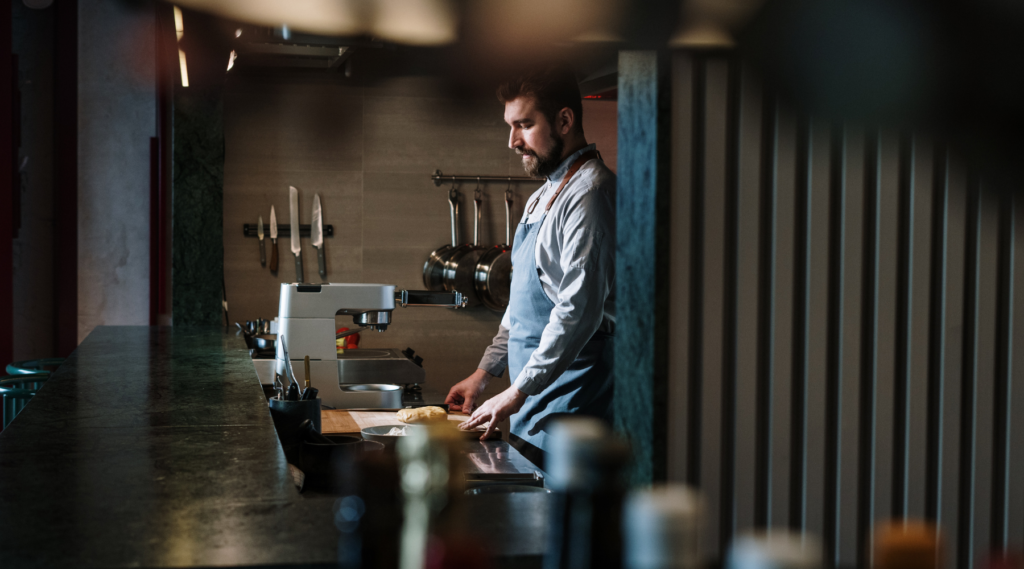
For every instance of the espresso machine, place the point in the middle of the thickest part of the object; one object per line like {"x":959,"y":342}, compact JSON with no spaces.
{"x":363,"y":378}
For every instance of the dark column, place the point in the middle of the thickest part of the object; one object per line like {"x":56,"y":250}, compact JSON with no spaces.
{"x":7,"y":190}
{"x":641,"y":271}
{"x":198,"y":176}
{"x":65,"y":176}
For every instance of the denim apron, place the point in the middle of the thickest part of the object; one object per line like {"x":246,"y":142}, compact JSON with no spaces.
{"x":586,"y":387}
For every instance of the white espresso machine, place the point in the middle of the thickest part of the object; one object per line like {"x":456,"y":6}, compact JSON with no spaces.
{"x":363,"y":378}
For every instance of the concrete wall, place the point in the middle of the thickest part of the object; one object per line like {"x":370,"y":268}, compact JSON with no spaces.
{"x":369,"y":152}
{"x":117,"y":117}
{"x":33,"y":248}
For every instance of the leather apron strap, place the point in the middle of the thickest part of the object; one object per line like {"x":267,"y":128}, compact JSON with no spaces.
{"x":576,"y":165}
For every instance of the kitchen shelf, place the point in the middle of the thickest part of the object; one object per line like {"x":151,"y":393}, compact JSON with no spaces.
{"x":249,"y":230}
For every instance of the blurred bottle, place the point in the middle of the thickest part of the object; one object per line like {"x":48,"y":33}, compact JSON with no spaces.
{"x":1003,"y":560}
{"x":660,"y":528}
{"x":906,"y":544}
{"x":369,"y":513}
{"x":434,"y":531}
{"x":775,"y":549}
{"x":585,"y":476}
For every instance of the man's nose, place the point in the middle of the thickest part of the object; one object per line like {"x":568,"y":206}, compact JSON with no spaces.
{"x":513,"y":139}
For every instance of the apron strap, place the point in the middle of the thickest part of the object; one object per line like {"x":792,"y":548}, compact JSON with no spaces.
{"x":583,"y":159}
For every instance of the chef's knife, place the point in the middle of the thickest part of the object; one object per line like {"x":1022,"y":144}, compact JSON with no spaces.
{"x":263,"y":247}
{"x":317,"y":235}
{"x":293,"y":201}
{"x":273,"y":240}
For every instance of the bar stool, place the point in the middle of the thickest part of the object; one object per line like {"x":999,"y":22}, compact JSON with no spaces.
{"x":17,"y":391}
{"x":29,"y":367}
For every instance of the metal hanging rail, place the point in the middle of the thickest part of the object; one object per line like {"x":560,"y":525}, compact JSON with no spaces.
{"x":439,"y":178}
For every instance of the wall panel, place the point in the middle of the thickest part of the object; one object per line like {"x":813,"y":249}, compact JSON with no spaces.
{"x":855,"y":354}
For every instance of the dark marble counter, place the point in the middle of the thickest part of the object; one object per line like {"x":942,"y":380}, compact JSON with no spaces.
{"x":153,"y":447}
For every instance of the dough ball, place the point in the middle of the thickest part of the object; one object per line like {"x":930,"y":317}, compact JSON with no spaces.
{"x":422,"y":415}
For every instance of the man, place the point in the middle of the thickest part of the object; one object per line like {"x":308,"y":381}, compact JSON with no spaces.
{"x":556,"y":335}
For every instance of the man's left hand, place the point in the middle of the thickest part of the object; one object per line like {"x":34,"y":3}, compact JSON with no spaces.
{"x":495,"y":410}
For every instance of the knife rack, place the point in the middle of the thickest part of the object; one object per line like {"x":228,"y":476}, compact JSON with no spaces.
{"x":250,"y":230}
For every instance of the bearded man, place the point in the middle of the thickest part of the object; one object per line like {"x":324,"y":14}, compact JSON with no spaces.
{"x":556,"y":335}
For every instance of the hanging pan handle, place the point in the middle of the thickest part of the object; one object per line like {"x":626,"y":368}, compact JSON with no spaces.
{"x":508,"y":217}
{"x":453,"y":203}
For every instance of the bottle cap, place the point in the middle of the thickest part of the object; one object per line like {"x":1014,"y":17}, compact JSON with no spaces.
{"x":584,"y":455}
{"x":906,"y":544}
{"x":660,"y":527}
{"x":775,"y":549}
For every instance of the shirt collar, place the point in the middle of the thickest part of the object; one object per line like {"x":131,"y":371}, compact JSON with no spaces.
{"x":559,"y":173}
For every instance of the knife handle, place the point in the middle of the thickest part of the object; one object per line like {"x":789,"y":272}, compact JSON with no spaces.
{"x":321,"y":261}
{"x":263,"y":254}
{"x":298,"y":268}
{"x":273,"y":256}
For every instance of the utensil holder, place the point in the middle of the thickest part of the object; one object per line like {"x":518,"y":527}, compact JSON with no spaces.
{"x":288,"y":415}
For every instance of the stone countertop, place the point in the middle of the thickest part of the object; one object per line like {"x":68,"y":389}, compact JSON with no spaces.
{"x":153,"y":447}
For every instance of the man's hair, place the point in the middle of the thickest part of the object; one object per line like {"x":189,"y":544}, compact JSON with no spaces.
{"x":554,"y":87}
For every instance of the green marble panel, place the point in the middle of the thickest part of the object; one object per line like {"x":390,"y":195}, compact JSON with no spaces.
{"x":198,"y":207}
{"x":641,"y":273}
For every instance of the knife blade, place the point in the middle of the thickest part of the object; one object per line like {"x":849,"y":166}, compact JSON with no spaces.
{"x":263,"y":247}
{"x":316,"y":235}
{"x":293,"y":202}
{"x":273,"y":240}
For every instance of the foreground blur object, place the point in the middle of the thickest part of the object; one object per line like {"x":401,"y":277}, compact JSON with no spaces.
{"x":433,"y":484}
{"x":775,"y":549}
{"x":414,"y":22}
{"x":660,"y":528}
{"x":585,"y":474}
{"x":907,"y":544}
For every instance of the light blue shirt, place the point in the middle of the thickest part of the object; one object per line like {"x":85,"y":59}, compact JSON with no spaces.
{"x":576,"y":266}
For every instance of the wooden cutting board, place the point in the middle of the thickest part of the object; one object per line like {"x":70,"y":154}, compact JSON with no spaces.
{"x":337,"y":421}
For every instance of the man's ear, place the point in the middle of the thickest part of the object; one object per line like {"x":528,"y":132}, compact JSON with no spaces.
{"x":566,"y":120}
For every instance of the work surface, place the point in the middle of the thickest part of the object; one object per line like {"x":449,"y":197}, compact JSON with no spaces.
{"x":154,"y":447}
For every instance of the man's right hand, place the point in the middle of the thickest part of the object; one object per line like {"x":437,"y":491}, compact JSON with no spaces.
{"x":464,"y":394}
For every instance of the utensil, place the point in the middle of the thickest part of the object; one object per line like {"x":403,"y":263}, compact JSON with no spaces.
{"x":263,"y":247}
{"x":317,"y":235}
{"x":493,"y":274}
{"x":306,"y":363}
{"x":433,"y":269}
{"x":460,"y":267}
{"x":293,"y":202}
{"x":380,"y":433}
{"x":312,"y":435}
{"x":273,"y":241}
{"x":264,"y":341}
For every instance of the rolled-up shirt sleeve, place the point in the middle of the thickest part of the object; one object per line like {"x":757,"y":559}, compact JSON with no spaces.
{"x":588,"y":266}
{"x":495,"y":358}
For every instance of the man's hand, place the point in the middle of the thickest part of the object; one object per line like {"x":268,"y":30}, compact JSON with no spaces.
{"x":496,"y":410}
{"x":464,"y":394}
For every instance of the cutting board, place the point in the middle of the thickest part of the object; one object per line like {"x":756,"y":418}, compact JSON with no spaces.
{"x":348,"y":422}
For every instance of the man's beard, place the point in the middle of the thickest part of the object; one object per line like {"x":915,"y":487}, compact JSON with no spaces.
{"x":546,"y":164}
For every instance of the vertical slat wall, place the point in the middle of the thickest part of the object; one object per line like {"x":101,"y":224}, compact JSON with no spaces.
{"x":847,"y":326}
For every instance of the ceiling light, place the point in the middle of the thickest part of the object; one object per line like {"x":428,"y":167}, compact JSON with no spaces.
{"x":179,"y":23}
{"x":184,"y":68}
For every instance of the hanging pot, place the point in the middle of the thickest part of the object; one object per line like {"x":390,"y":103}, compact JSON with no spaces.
{"x":493,"y":277}
{"x":461,"y":265}
{"x":433,"y":269}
